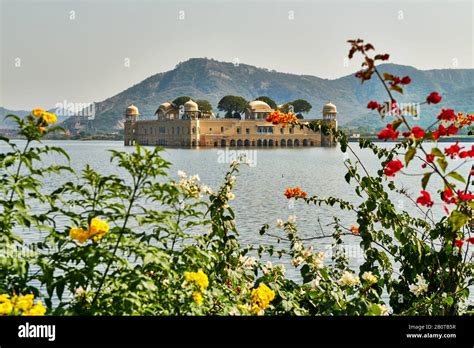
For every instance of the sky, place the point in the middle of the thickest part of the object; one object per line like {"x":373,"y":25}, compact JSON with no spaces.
{"x":87,"y":51}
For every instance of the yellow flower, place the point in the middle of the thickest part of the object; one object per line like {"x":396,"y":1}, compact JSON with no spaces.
{"x":98,"y":228}
{"x":79,"y":234}
{"x":23,"y":303}
{"x":6,"y":307}
{"x":199,"y":278}
{"x":261,"y":297}
{"x":4,"y":298}
{"x":37,"y":310}
{"x":42,"y":129}
{"x":49,"y":118}
{"x":197,"y":297}
{"x":37,"y":112}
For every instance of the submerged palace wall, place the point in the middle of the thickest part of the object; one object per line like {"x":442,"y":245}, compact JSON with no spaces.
{"x":219,"y":132}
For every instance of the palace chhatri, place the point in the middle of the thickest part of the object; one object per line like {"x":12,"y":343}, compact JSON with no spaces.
{"x":187,"y":126}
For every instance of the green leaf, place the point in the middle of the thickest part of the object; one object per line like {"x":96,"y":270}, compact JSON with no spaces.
{"x":437,"y":152}
{"x":442,"y":163}
{"x":425,"y":179}
{"x":409,"y":155}
{"x":458,"y":219}
{"x":457,"y":176}
{"x":397,"y":88}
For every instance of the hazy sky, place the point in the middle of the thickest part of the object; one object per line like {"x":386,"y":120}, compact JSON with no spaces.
{"x":78,"y":50}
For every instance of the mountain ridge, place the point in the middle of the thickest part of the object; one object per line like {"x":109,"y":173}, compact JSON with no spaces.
{"x":203,"y":78}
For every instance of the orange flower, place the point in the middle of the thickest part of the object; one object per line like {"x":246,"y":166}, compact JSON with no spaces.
{"x":355,"y":230}
{"x":295,"y":192}
{"x":277,"y":117}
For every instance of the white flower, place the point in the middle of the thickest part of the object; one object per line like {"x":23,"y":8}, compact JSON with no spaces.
{"x":297,"y":261}
{"x":181,"y":174}
{"x":248,"y":162}
{"x":281,"y":269}
{"x":307,"y":253}
{"x":232,"y":180}
{"x":234,"y":162}
{"x":292,"y":219}
{"x":369,"y":278}
{"x":79,"y":291}
{"x":206,"y":190}
{"x":195,"y":178}
{"x":268,"y":267}
{"x":384,"y":309}
{"x":420,"y":287}
{"x":317,"y":262}
{"x":280,"y":223}
{"x":315,"y":282}
{"x":298,"y":246}
{"x":248,"y":262}
{"x":348,"y":279}
{"x":230,"y":196}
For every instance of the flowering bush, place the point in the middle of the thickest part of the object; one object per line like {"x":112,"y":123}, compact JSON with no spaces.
{"x":145,"y":244}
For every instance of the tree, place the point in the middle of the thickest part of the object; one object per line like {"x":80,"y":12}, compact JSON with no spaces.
{"x":300,"y":105}
{"x":204,"y":106}
{"x":267,"y":100}
{"x":181,"y":100}
{"x":232,"y":103}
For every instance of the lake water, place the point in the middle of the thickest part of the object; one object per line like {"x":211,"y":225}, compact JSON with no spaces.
{"x":259,"y":190}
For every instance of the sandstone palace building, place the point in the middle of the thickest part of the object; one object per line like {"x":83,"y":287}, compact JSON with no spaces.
{"x":189,"y":127}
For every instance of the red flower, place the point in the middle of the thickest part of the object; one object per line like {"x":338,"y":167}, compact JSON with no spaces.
{"x":453,"y":150}
{"x":465,"y":196}
{"x":430,"y":158}
{"x":470,"y":240}
{"x":384,"y":56}
{"x":442,"y":131}
{"x":433,"y":98}
{"x":418,"y":132}
{"x":458,"y":243}
{"x":406,"y":80}
{"x":447,"y":115}
{"x":373,"y":105}
{"x":467,"y":153}
{"x":392,"y":167}
{"x":448,"y":196}
{"x":425,"y":199}
{"x":388,"y":133}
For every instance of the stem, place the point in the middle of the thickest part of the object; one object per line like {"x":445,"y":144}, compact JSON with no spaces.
{"x":127,"y":215}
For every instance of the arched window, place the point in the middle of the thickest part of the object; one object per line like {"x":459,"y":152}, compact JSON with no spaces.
{"x":232,"y":142}
{"x":283,"y":142}
{"x":305,"y":142}
{"x":290,"y":142}
{"x":270,"y":142}
{"x":247,"y":142}
{"x":239,"y":142}
{"x":223,"y":142}
{"x":297,"y":142}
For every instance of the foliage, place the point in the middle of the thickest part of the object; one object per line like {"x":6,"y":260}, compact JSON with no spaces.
{"x":231,"y":104}
{"x":267,"y":100}
{"x":204,"y":105}
{"x":181,"y":100}
{"x":143,"y":243}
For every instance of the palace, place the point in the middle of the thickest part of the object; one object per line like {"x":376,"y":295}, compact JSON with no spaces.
{"x":187,"y":126}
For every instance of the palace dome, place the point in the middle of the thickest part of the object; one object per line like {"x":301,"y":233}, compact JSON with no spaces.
{"x":329,"y":108}
{"x":132,"y":110}
{"x":190,"y":106}
{"x":259,"y":106}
